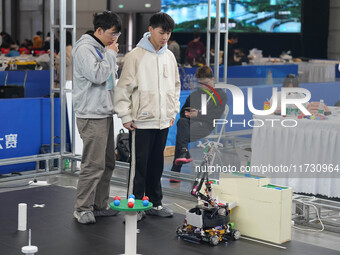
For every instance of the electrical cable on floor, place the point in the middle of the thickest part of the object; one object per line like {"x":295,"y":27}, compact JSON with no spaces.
{"x":317,"y":213}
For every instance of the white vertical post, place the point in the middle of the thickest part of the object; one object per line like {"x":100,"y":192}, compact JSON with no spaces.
{"x":51,"y":76}
{"x":208,"y":33}
{"x":130,"y":233}
{"x":62,"y":12}
{"x":217,"y":40}
{"x":73,"y":121}
{"x":225,"y":76}
{"x":22,"y":217}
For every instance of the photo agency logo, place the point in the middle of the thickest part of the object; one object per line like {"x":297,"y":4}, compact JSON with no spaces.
{"x":238,"y":105}
{"x":204,"y":100}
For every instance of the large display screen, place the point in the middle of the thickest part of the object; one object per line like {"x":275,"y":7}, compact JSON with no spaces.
{"x":273,"y":16}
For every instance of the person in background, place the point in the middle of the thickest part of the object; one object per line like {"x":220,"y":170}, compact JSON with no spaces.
{"x":212,"y":57}
{"x":147,"y":101}
{"x":195,"y":51}
{"x":313,"y":107}
{"x":5,"y":49}
{"x":291,"y":81}
{"x":46,"y":45}
{"x":26,"y":46}
{"x":13,"y":52}
{"x":241,"y":56}
{"x":68,"y":61}
{"x":94,"y":72}
{"x":47,"y":42}
{"x":6,"y":39}
{"x":174,"y":47}
{"x":37,"y":41}
{"x":233,"y":39}
{"x":193,"y":125}
{"x":56,"y":43}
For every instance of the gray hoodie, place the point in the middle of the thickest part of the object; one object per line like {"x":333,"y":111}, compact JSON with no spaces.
{"x":93,"y":78}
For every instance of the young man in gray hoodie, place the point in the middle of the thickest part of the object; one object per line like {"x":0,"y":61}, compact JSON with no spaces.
{"x":95,"y":67}
{"x":147,"y":101}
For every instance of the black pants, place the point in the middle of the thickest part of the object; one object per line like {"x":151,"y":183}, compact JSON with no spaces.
{"x":147,"y":163}
{"x":188,"y":130}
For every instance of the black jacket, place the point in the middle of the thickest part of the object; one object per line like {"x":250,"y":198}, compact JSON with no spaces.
{"x":213,"y":111}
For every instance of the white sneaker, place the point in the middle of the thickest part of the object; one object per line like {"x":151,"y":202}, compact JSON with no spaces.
{"x":160,"y":211}
{"x":84,"y":217}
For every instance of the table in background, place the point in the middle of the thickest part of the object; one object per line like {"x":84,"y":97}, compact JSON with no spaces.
{"x":310,"y":142}
{"x":317,"y":71}
{"x":247,"y":75}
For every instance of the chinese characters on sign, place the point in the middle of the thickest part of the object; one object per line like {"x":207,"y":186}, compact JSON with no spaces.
{"x":11,"y":141}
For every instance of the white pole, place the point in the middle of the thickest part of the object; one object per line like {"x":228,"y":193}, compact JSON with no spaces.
{"x":217,"y":40}
{"x":208,"y":34}
{"x":225,"y":76}
{"x":22,"y":217}
{"x":130,"y":233}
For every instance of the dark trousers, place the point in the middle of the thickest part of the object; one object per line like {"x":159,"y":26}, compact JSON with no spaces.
{"x":188,"y":130}
{"x":147,"y":163}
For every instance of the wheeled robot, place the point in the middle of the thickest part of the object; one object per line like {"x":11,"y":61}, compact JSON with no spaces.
{"x":209,"y":221}
{"x":208,"y":224}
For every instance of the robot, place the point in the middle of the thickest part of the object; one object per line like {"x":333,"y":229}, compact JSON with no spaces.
{"x":209,"y":221}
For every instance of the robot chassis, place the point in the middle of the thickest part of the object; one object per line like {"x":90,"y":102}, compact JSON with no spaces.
{"x":209,"y":221}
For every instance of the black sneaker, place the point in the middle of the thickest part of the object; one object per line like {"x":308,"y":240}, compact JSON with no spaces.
{"x":184,"y":157}
{"x":160,"y":211}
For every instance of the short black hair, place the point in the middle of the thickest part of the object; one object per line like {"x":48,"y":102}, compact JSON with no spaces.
{"x":107,"y":20}
{"x":163,"y":20}
{"x":196,"y":35}
{"x":291,"y":79}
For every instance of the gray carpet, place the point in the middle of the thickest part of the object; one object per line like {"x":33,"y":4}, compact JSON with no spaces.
{"x":55,"y":232}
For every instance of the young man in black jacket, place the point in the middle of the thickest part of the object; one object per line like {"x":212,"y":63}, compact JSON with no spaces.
{"x":194,"y":122}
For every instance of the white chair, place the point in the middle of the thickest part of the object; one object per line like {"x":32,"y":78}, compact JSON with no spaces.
{"x":218,"y":134}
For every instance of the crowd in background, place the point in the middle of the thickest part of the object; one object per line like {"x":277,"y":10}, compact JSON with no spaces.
{"x":36,"y":46}
{"x":192,"y":54}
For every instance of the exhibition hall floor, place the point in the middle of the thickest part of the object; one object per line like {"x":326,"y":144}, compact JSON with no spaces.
{"x":54,"y":230}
